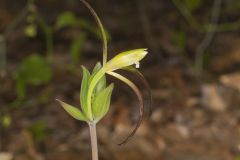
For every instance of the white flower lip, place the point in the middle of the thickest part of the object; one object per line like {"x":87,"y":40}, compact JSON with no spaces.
{"x":137,"y":64}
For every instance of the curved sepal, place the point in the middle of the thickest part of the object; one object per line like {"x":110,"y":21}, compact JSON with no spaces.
{"x":146,"y":85}
{"x":140,"y":99}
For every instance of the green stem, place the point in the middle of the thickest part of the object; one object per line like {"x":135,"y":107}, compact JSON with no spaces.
{"x":94,"y":143}
{"x":48,"y":31}
{"x":3,"y":56}
{"x":49,"y":42}
{"x":103,"y":33}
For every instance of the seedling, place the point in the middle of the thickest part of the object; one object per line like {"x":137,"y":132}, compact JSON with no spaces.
{"x":95,"y":94}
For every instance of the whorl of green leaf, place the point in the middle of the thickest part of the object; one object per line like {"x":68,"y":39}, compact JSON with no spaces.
{"x":95,"y":97}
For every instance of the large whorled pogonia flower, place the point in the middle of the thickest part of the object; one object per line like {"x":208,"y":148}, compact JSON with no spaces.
{"x":95,"y":96}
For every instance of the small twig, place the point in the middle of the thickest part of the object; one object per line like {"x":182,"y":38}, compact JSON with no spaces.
{"x":204,"y":28}
{"x":209,"y":36}
{"x":187,"y":15}
{"x":231,"y":26}
{"x":31,"y":149}
{"x":3,"y":56}
{"x":146,"y":25}
{"x":48,"y":32}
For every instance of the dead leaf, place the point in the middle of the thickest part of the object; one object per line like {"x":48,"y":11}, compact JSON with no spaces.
{"x":6,"y":156}
{"x":231,"y":80}
{"x":212,"y":98}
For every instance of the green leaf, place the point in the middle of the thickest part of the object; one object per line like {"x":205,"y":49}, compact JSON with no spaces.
{"x":102,"y":82}
{"x":20,"y":87}
{"x":76,"y":47}
{"x":96,"y":68}
{"x":100,"y":85}
{"x":66,"y":19}
{"x":92,"y":84}
{"x":38,"y":130}
{"x":179,"y":39}
{"x":73,"y":111}
{"x":102,"y":102}
{"x":84,"y":90}
{"x":34,"y":70}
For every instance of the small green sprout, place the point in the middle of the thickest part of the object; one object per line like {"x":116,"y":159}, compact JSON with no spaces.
{"x":95,"y":94}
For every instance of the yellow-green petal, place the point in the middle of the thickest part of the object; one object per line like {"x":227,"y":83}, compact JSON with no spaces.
{"x":125,"y":59}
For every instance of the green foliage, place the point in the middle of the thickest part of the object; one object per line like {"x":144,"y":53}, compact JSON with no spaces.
{"x":101,"y":83}
{"x":192,"y":5}
{"x":38,"y":130}
{"x":84,"y":89}
{"x":6,"y":121}
{"x":237,"y":158}
{"x":231,"y":7}
{"x":66,"y":19}
{"x":179,"y":39}
{"x":73,"y":111}
{"x":76,"y":47}
{"x":31,"y":30}
{"x":206,"y":58}
{"x":31,"y":27}
{"x":102,"y":102}
{"x":100,"y":98}
{"x":34,"y":70}
{"x":94,"y":95}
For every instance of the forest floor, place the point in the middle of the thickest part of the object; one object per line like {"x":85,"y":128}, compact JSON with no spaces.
{"x":194,"y":116}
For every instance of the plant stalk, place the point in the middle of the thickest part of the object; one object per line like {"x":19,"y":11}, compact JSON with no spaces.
{"x":94,"y":143}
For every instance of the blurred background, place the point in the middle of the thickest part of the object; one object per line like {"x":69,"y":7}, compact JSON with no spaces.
{"x":192,"y":67}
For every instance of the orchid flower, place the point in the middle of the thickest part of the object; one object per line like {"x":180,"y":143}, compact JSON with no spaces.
{"x":95,"y":95}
